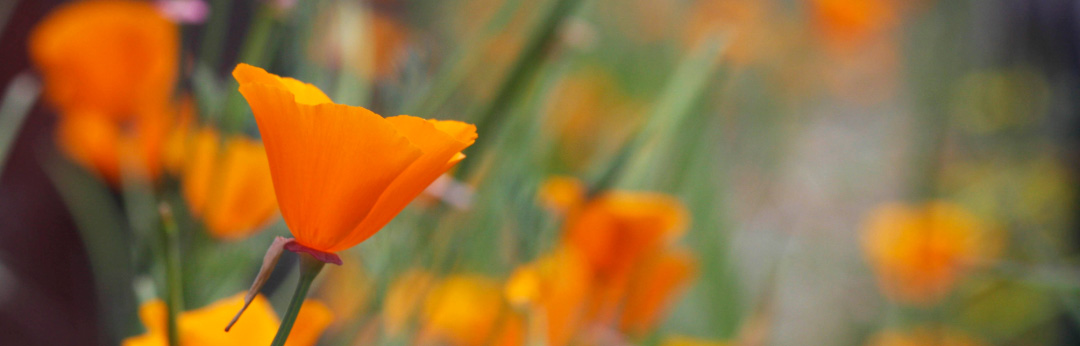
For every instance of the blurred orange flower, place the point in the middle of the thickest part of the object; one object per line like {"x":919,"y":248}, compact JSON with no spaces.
{"x":107,"y":146}
{"x":113,"y":57}
{"x":584,"y":102}
{"x":555,"y":289}
{"x":618,"y":229}
{"x":654,"y":288}
{"x":464,"y":310}
{"x":202,"y":327}
{"x":923,"y":337}
{"x":341,"y":173}
{"x":921,"y":252}
{"x":228,"y":187}
{"x":625,"y":239}
{"x":849,"y":23}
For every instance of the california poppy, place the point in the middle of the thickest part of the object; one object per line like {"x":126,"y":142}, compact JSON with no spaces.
{"x":200,"y":327}
{"x":653,"y":288}
{"x":624,"y":237}
{"x":846,"y":24}
{"x":616,"y":229}
{"x":228,"y":186}
{"x":920,"y":252}
{"x":554,"y":289}
{"x":117,"y":58}
{"x":108,"y":146}
{"x":341,"y":173}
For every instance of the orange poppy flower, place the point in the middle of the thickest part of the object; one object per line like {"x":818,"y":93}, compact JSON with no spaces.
{"x":115,"y":57}
{"x":921,"y":252}
{"x":202,"y":327}
{"x":653,"y":289}
{"x":618,"y":233}
{"x":464,"y":310}
{"x":849,"y":23}
{"x":228,"y":187}
{"x":555,"y":289}
{"x":106,"y":146}
{"x":341,"y":173}
{"x":617,"y":229}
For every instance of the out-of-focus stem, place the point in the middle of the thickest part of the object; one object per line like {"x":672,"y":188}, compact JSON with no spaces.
{"x":214,"y":34}
{"x":174,"y":288}
{"x":309,"y":269}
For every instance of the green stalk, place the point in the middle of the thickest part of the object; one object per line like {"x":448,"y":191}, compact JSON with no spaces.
{"x":214,"y":35}
{"x":490,"y":117}
{"x":174,"y":287}
{"x":309,"y":269}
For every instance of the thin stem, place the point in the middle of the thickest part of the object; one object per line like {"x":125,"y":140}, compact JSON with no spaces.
{"x":309,"y":269}
{"x":174,"y":287}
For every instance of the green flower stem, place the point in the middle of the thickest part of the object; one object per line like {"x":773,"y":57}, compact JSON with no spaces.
{"x":174,"y":287}
{"x":309,"y":269}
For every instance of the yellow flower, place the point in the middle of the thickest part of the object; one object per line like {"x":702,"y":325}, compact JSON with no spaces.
{"x":920,"y":252}
{"x":228,"y":187}
{"x":562,"y":194}
{"x":555,"y":289}
{"x":341,"y":173}
{"x":202,"y":327}
{"x":464,"y":310}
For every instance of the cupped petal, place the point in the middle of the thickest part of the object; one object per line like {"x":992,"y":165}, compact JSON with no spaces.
{"x":441,"y":143}
{"x":305,"y":93}
{"x":329,"y":163}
